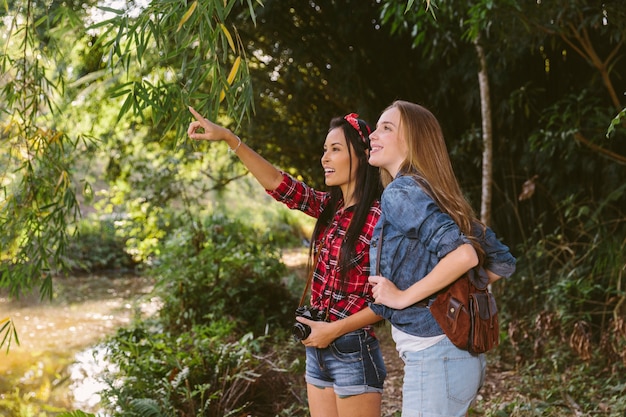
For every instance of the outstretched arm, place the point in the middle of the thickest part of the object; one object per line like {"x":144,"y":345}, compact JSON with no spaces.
{"x":265,"y":173}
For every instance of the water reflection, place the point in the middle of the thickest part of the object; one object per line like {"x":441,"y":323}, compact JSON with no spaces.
{"x":59,"y":357}
{"x":86,"y":382}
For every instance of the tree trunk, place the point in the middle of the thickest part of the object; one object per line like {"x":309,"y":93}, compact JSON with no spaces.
{"x":485,"y":110}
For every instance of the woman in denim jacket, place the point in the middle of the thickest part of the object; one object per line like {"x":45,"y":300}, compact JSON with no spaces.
{"x":430,"y":238}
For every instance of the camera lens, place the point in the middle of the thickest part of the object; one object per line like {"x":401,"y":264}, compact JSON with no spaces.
{"x":301,"y":331}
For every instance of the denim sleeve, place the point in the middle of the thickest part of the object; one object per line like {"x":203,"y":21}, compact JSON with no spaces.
{"x":416,"y":215}
{"x":499,"y":259}
{"x":381,"y":310}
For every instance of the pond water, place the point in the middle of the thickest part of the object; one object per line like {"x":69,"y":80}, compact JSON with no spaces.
{"x":58,"y":358}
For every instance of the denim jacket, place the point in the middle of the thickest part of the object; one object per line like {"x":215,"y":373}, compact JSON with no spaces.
{"x":417,"y":234}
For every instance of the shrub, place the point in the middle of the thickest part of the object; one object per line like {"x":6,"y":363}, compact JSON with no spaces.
{"x":198,"y":373}
{"x":96,"y":247}
{"x":220,"y":345}
{"x":223,"y":269}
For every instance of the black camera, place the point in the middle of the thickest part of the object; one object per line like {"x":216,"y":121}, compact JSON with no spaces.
{"x":300,"y":330}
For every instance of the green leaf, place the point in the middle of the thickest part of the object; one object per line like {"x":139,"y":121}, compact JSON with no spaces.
{"x":616,"y":121}
{"x":112,"y":10}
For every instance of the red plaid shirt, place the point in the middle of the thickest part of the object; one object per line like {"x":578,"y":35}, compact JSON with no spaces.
{"x":327,"y":286}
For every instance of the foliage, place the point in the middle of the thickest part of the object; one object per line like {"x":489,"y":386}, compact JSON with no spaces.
{"x":107,"y":96}
{"x":564,"y":313}
{"x":96,"y":247}
{"x":37,"y":197}
{"x":557,"y":383}
{"x":218,"y":270}
{"x":52,"y":61}
{"x":28,"y":392}
{"x":199,"y":356}
{"x":617,"y":120}
{"x":8,"y":328}
{"x":76,"y":414}
{"x":200,"y":372}
{"x":576,"y":269}
{"x":198,"y":45}
{"x":191,"y":358}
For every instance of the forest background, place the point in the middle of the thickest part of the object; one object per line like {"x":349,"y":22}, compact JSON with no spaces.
{"x":97,"y":173}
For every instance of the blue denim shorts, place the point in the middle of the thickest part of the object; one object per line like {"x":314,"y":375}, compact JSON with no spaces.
{"x":441,"y":380}
{"x":351,"y":365}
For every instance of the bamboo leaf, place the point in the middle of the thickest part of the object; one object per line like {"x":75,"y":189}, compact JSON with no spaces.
{"x":251,"y":10}
{"x":228,"y":36}
{"x":231,"y":77}
{"x":187,"y":15}
{"x":233,"y":71}
{"x":111,"y":10}
{"x":17,"y":339}
{"x":125,"y":107}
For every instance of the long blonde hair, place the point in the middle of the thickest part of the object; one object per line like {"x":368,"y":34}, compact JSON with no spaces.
{"x":428,"y":158}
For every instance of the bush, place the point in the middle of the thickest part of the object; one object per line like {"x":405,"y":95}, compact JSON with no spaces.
{"x":223,"y":269}
{"x":199,"y":373}
{"x":96,"y":247}
{"x":563,"y":312}
{"x":220,"y":345}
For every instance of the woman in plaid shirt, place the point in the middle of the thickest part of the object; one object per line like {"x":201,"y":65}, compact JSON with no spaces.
{"x":344,"y":367}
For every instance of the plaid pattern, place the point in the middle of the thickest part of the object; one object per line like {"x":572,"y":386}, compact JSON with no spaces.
{"x":355,"y":292}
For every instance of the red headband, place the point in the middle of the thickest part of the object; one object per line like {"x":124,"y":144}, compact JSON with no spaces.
{"x":352,"y":118}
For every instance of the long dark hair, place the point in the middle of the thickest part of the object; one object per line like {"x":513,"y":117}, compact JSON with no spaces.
{"x":368,"y":189}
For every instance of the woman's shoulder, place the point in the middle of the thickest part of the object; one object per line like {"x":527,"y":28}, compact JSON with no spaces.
{"x":404,"y":187}
{"x":404,"y":197}
{"x":403,"y":181}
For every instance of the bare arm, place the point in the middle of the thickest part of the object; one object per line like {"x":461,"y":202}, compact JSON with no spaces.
{"x":449,"y":268}
{"x":322,"y":333}
{"x":493,"y":277}
{"x":265,"y":173}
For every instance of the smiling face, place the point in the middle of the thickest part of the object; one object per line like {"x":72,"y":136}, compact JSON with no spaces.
{"x":388,"y":147}
{"x":340,"y":165}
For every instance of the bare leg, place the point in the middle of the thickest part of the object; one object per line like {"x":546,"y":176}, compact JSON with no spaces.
{"x":325,"y":403}
{"x":362,"y":405}
{"x":322,"y":402}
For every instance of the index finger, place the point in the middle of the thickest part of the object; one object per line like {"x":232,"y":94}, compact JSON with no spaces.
{"x":195,"y":114}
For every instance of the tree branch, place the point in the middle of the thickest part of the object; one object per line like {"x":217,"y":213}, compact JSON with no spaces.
{"x":620,"y":159}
